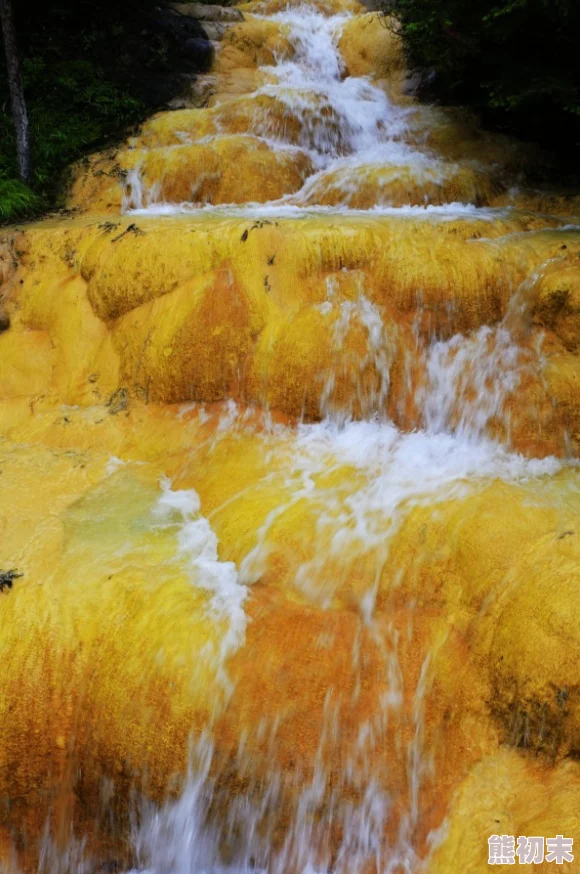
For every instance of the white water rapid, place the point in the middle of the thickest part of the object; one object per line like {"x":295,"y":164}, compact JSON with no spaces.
{"x":316,"y":755}
{"x":350,"y":130}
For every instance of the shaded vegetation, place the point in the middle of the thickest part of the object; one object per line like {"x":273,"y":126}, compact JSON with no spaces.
{"x":90,"y":70}
{"x":515,"y":61}
{"x":16,"y":198}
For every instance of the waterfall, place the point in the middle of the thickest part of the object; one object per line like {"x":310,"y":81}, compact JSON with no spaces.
{"x":290,"y":418}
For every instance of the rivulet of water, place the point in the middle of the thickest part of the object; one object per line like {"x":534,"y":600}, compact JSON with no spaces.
{"x":357,"y":478}
{"x":349,"y":796}
{"x":471,"y":378}
{"x":346,"y":124}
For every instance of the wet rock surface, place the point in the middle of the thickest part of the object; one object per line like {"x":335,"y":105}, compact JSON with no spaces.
{"x":289,"y":424}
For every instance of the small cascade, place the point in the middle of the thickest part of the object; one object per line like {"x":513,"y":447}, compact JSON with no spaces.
{"x":344,"y":811}
{"x":473,"y":380}
{"x":338,"y":114}
{"x":355,"y":139}
{"x":366,"y":370}
{"x":296,"y":393}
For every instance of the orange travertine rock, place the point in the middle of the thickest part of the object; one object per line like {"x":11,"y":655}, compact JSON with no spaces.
{"x":121,"y":608}
{"x":285,"y":469}
{"x":314,"y":319}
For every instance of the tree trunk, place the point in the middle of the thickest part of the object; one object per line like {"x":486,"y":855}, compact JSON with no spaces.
{"x":19,"y":112}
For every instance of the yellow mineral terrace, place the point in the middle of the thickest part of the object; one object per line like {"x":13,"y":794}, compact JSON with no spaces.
{"x":290,"y":507}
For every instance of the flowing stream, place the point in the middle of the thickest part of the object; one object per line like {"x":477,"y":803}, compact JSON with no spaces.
{"x":354,"y":135}
{"x":293,"y":543}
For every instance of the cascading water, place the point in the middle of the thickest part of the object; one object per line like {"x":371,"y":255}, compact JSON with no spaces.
{"x":347,"y":126}
{"x":301,"y":427}
{"x":350,"y":130}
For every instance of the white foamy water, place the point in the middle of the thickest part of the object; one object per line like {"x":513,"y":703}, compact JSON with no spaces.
{"x":351,"y":130}
{"x":390,"y":473}
{"x":366,"y":398}
{"x":341,"y":115}
{"x":284,"y":209}
{"x":198,"y":550}
{"x":348,"y":126}
{"x":472,"y":378}
{"x":397,"y":472}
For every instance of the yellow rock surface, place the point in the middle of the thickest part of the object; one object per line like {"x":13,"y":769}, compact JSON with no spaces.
{"x":121,"y":304}
{"x":534,"y":645}
{"x":170,"y":128}
{"x":369,"y":48}
{"x":508,"y":793}
{"x":97,"y":561}
{"x":366,"y":627}
{"x":454,"y":134}
{"x":253,"y":43}
{"x":197,"y":174}
{"x":192,"y":343}
{"x":122,"y":610}
{"x":364,"y":186}
{"x":548,"y":203}
{"x":558,"y":303}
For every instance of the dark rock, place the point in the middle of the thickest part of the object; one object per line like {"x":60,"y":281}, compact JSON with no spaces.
{"x":177,"y":25}
{"x":119,"y":401}
{"x":207,"y":12}
{"x":7,"y":578}
{"x":214,"y":30}
{"x":200,"y":52}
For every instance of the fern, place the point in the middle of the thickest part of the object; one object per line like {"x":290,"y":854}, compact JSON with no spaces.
{"x":16,"y":199}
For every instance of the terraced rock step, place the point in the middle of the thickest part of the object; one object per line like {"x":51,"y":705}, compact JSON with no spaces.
{"x":289,"y":415}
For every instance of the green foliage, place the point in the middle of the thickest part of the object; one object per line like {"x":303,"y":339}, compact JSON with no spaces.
{"x":71,"y":107}
{"x":83,"y":63}
{"x":16,"y":198}
{"x":517,"y":61}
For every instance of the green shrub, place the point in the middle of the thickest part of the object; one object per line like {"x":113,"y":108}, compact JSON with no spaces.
{"x":515,"y":61}
{"x":16,"y":198}
{"x":84,"y":68}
